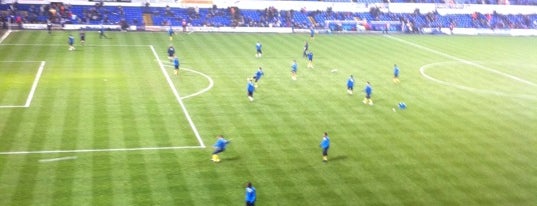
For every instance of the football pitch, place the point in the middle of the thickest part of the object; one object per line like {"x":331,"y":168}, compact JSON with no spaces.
{"x":110,"y":124}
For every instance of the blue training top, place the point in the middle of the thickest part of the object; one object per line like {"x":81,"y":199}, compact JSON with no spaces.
{"x":325,"y":143}
{"x":250,"y":194}
{"x":250,"y":87}
{"x":221,"y":143}
{"x":368,"y":90}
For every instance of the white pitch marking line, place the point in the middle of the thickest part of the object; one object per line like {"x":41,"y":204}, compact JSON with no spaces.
{"x":211,"y":83}
{"x":34,"y":85}
{"x":92,"y":45}
{"x":11,"y":106}
{"x":425,"y":67}
{"x":179,"y":99}
{"x":5,"y":36}
{"x":99,"y":150}
{"x":57,"y":159}
{"x":22,"y":61}
{"x":463,"y":61}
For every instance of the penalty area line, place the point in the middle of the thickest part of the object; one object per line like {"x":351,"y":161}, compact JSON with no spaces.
{"x":100,"y":150}
{"x":32,"y":90}
{"x":12,"y":106}
{"x":87,"y":45}
{"x":5,"y":36}
{"x":34,"y":85}
{"x":179,"y":99}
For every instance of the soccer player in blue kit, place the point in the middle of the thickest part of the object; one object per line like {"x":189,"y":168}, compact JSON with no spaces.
{"x":101,"y":32}
{"x":250,"y":196}
{"x":219,"y":147}
{"x":258,"y":48}
{"x":71,"y":41}
{"x":325,"y":145}
{"x":258,"y":75}
{"x":175,"y":65}
{"x":294,"y":68}
{"x":171,"y":32}
{"x":310,"y":60}
{"x":368,"y":91}
{"x":395,"y":74}
{"x":250,"y":88}
{"x":350,"y":84}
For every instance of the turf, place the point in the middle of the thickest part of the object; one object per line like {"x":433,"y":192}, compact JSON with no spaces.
{"x":468,"y":136}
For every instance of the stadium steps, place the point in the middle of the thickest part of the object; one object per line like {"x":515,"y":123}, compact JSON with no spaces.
{"x":148,"y":19}
{"x":312,"y":20}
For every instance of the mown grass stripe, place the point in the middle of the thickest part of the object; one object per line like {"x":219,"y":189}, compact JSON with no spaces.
{"x":43,"y":192}
{"x":28,"y":188}
{"x":449,"y":147}
{"x":10,"y":181}
{"x":139,"y":180}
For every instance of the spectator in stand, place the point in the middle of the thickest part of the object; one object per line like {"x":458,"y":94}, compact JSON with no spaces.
{"x":184,"y":24}
{"x":120,"y":11}
{"x":18,"y":21}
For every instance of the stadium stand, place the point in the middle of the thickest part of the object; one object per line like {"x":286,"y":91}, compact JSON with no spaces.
{"x":98,"y":13}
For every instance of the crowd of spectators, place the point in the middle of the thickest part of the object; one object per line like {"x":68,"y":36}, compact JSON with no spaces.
{"x":59,"y":13}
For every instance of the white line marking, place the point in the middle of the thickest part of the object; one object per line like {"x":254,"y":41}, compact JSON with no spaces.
{"x":5,"y":36}
{"x":211,"y":82}
{"x":179,"y":99}
{"x":32,"y":90}
{"x":463,"y":61}
{"x":100,"y":150}
{"x":58,"y":159}
{"x":87,"y":45}
{"x":11,"y":106}
{"x":34,"y":85}
{"x":483,"y":91}
{"x":21,"y":61}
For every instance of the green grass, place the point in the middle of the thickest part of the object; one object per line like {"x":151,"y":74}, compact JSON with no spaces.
{"x":470,"y":140}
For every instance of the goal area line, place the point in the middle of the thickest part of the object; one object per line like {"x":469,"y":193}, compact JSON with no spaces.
{"x":34,"y":85}
{"x":142,"y":148}
{"x":172,"y":87}
{"x":100,"y":150}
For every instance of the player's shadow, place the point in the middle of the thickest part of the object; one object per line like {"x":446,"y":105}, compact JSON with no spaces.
{"x":338,"y":158}
{"x":234,"y":158}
